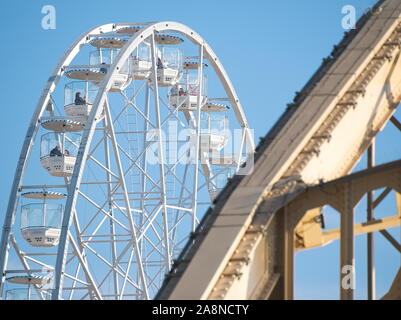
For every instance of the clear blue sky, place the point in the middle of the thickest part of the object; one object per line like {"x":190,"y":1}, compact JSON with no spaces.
{"x":269,"y":48}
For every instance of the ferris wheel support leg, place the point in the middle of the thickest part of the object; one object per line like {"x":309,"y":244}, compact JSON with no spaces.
{"x":288,"y":256}
{"x":75,"y":218}
{"x":61,"y":262}
{"x":82,"y":253}
{"x":160,"y":155}
{"x":126,"y":199}
{"x":197,"y":142}
{"x":143,"y":161}
{"x":112,"y":225}
{"x":371,"y":274}
{"x":177,"y":212}
{"x":347,"y":262}
{"x":70,"y":207}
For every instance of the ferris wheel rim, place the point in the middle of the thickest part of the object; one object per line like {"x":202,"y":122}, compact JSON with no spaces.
{"x":100,"y":100}
{"x":105,"y":83}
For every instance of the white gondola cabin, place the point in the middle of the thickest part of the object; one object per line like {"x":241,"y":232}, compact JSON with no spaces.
{"x":41,"y":223}
{"x":58,"y":152}
{"x":184,"y":96}
{"x":169,"y":64}
{"x":100,"y":62}
{"x":214,"y":124}
{"x":78,"y":99}
{"x":104,"y":57}
{"x":141,"y":61}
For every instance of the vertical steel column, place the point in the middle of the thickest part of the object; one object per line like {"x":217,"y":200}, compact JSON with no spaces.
{"x":111,"y":211}
{"x":288,"y":256}
{"x":126,"y":199}
{"x":198,"y":134}
{"x":347,"y":263}
{"x":160,"y":155}
{"x":144,"y":164}
{"x":371,"y":275}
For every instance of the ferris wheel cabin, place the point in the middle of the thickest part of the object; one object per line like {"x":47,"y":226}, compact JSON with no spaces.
{"x":41,"y":221}
{"x":214,"y":123}
{"x":141,"y":61}
{"x":58,"y":152}
{"x":184,"y":95}
{"x":78,"y":99}
{"x":100,"y":62}
{"x":169,"y":60}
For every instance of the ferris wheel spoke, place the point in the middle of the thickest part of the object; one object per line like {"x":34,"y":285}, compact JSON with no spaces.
{"x":197,"y":143}
{"x":178,"y":220}
{"x":75,"y":278}
{"x":210,"y":180}
{"x":97,"y":144}
{"x":180,"y":243}
{"x":155,"y":280}
{"x":181,"y":182}
{"x":126,"y":274}
{"x":149,"y":223}
{"x":128,"y":101}
{"x":154,"y":227}
{"x":180,"y":203}
{"x":171,"y":114}
{"x":115,"y":266}
{"x":91,"y":283}
{"x":152,"y":223}
{"x":38,"y":262}
{"x":154,"y":247}
{"x":101,"y":210}
{"x":119,"y":273}
{"x":146,"y":118}
{"x":74,"y":283}
{"x":136,"y":165}
{"x":103,"y":167}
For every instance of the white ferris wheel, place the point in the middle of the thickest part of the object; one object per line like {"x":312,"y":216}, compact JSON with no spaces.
{"x":135,"y":133}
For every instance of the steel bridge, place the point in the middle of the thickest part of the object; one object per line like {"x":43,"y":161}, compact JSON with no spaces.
{"x":244,"y":247}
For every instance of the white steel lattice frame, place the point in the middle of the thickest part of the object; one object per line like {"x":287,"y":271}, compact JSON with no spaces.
{"x":77,"y":243}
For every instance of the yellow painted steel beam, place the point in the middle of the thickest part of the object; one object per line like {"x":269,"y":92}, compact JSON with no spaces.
{"x":321,"y":238}
{"x":398,"y":200}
